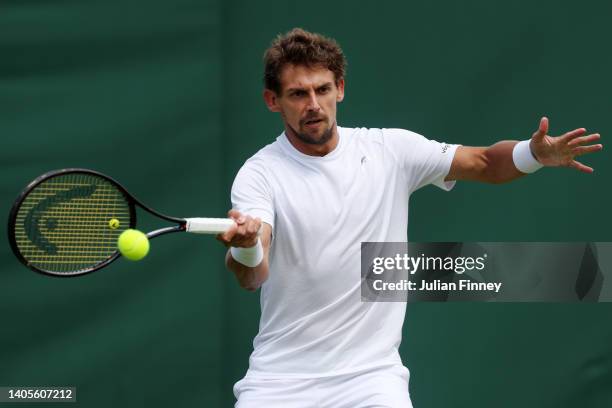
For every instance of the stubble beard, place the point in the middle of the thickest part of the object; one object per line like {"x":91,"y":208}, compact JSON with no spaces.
{"x":308,"y":139}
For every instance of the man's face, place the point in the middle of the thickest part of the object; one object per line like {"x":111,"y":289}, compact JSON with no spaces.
{"x":307,"y":102}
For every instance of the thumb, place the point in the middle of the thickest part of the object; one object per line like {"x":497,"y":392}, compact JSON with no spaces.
{"x":542,"y":129}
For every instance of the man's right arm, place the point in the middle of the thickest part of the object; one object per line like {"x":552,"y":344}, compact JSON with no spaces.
{"x":245,"y":234}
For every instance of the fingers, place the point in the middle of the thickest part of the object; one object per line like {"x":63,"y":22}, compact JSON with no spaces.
{"x":542,"y":129}
{"x":234,"y":214}
{"x":572,"y":135}
{"x":581,"y":167}
{"x":227,"y":236}
{"x":580,"y":150}
{"x":244,"y":233}
{"x":253,"y":227}
{"x":575,"y":141}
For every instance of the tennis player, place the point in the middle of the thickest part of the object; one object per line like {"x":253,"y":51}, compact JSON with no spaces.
{"x":318,"y":191}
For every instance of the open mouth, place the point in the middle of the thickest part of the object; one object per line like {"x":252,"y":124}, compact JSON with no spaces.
{"x":312,"y":122}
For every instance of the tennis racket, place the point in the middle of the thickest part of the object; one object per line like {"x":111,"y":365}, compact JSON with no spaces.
{"x":66,"y":222}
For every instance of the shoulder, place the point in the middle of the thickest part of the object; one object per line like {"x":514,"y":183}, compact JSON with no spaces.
{"x":361,"y":134}
{"x":410,"y":145}
{"x":383,"y":136}
{"x":402,"y":137}
{"x":264,"y":160}
{"x":393,"y":143}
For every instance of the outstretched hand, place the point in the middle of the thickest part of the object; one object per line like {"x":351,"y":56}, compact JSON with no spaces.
{"x":561,"y":151}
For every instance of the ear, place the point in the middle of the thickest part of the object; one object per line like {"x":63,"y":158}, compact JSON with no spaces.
{"x":340,"y":86}
{"x":270,"y":98}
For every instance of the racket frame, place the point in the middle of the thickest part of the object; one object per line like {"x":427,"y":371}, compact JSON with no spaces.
{"x":130,"y":199}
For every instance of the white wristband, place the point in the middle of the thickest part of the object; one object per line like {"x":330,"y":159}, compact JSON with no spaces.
{"x":250,"y":257}
{"x":523,"y":159}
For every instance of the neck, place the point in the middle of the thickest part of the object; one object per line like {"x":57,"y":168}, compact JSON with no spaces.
{"x":312,"y":149}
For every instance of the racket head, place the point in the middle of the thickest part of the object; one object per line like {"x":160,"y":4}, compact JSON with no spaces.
{"x":64,"y":223}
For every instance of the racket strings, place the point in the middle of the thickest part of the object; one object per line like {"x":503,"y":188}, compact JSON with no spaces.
{"x":64,"y":224}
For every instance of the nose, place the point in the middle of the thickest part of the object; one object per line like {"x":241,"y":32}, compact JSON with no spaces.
{"x":313,"y":103}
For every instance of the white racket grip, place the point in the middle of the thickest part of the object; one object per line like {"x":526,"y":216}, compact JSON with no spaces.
{"x":208,"y":225}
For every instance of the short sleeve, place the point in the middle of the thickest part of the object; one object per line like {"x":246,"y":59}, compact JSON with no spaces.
{"x":251,"y":193}
{"x":423,"y":161}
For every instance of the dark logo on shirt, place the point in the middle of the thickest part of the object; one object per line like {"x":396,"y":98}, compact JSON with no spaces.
{"x":445,"y":148}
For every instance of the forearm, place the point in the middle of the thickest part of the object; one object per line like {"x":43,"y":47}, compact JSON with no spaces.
{"x":249,"y":240}
{"x":493,"y":164}
{"x":500,"y":165}
{"x":249,"y":278}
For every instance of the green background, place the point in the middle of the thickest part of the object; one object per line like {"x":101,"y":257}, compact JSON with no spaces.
{"x":165,"y":96}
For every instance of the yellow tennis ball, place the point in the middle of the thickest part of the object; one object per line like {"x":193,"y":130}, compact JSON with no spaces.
{"x":133,"y":244}
{"x":113,"y":223}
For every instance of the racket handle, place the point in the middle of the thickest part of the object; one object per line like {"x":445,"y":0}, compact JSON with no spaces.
{"x":208,"y":225}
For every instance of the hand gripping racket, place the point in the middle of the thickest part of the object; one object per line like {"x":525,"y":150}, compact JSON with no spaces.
{"x":66,"y":222}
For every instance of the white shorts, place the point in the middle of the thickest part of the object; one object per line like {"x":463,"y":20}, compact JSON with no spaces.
{"x":380,"y":388}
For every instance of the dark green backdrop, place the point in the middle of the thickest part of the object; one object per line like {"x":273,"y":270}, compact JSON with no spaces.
{"x":165,"y":96}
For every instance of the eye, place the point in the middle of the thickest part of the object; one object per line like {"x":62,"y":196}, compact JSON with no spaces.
{"x":324,"y":89}
{"x":298,"y":94}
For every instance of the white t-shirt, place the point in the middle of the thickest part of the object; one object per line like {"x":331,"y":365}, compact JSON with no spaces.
{"x":313,"y":322}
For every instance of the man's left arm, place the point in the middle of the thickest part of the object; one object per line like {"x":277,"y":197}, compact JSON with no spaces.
{"x":498,"y":163}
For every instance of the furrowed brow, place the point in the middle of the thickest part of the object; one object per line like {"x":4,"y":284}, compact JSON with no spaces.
{"x":296,"y":89}
{"x":290,"y":90}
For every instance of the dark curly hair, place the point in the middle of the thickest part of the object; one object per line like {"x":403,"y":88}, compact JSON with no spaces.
{"x":300,"y":47}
